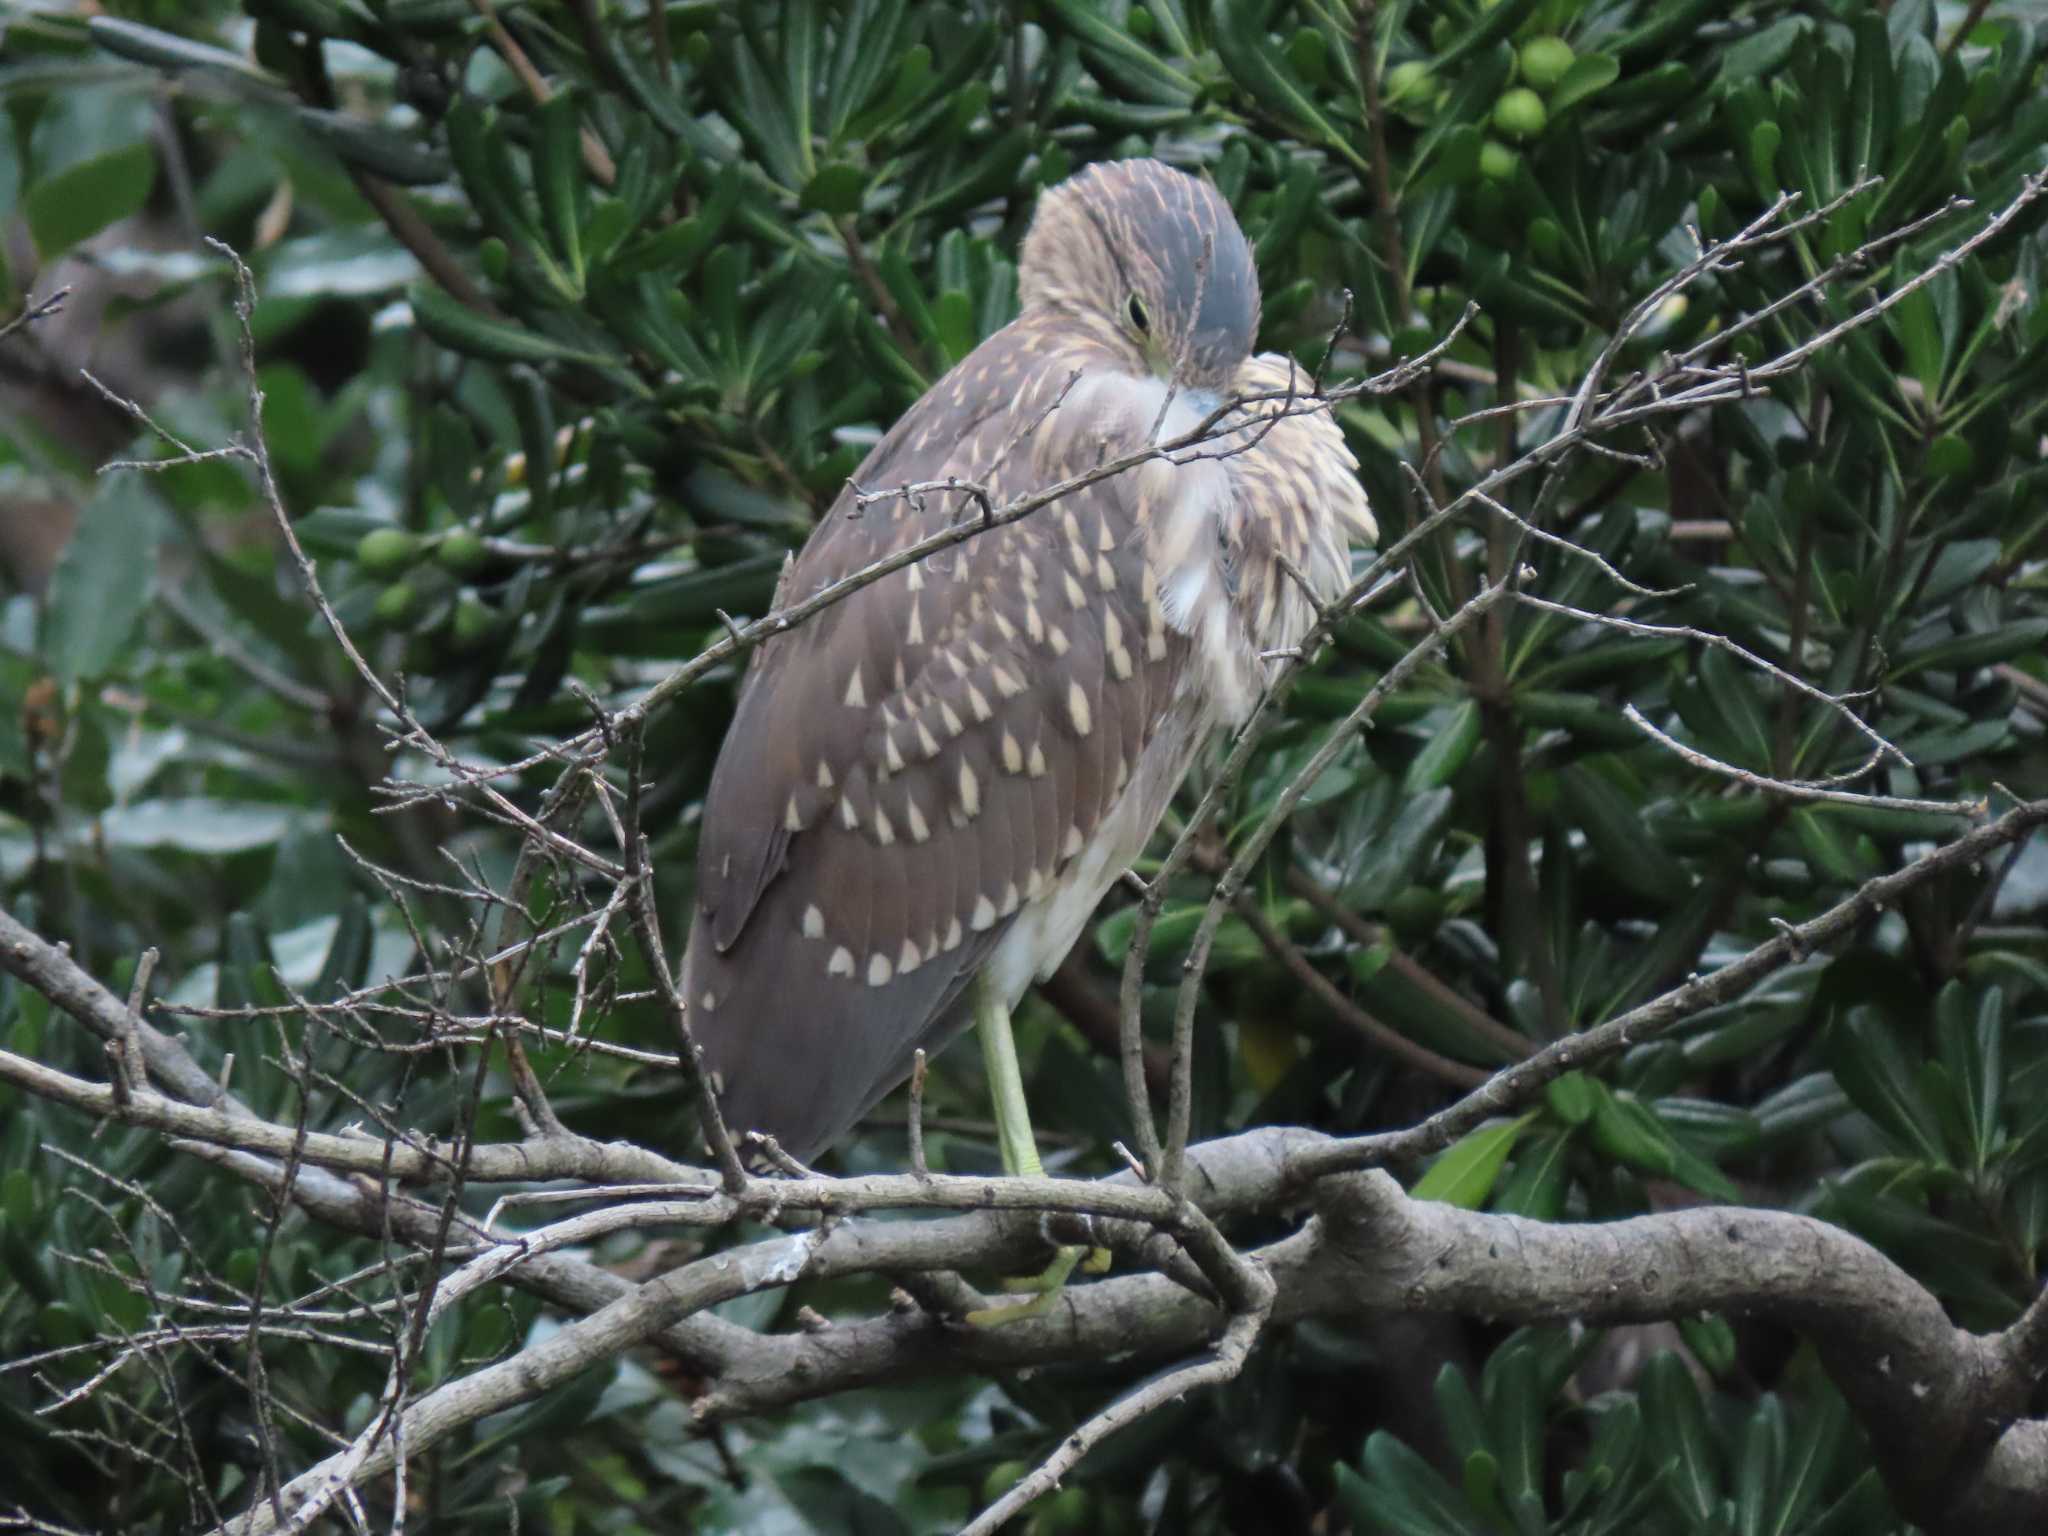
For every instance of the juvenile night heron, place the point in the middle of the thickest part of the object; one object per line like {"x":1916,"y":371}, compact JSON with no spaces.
{"x":928,"y":787}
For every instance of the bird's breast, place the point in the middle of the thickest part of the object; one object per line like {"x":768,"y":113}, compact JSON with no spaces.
{"x":1189,"y":525}
{"x":1046,"y":929}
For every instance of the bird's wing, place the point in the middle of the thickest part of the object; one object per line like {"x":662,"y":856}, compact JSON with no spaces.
{"x":916,"y":762}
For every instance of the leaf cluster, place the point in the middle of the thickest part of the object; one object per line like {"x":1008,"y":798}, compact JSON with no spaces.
{"x":575,"y":317}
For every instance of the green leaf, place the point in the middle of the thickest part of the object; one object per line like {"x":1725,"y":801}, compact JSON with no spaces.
{"x":1830,"y":852}
{"x":1496,"y":22}
{"x":83,"y":199}
{"x":1676,"y":1423}
{"x":454,"y":324}
{"x":1970,"y":1032}
{"x":1590,"y":74}
{"x":1914,"y":323}
{"x":836,"y":189}
{"x":194,"y":825}
{"x":104,"y":578}
{"x":1572,"y":1098}
{"x":558,"y":177}
{"x":1732,"y":689}
{"x":394,"y":156}
{"x":1401,"y":1493}
{"x":1397,"y":849}
{"x":1621,"y":842}
{"x":476,"y":141}
{"x":1755,"y":57}
{"x":1960,"y":653}
{"x":1143,"y":67}
{"x":1463,"y":1175}
{"x":1541,"y":1178}
{"x":1711,"y":1340}
{"x":1261,"y":69}
{"x":347,"y":963}
{"x":1695,"y":1172}
{"x":1873,"y":1067}
{"x":166,"y":50}
{"x":1448,"y":751}
{"x":1764,"y":140}
{"x":1625,"y":1129}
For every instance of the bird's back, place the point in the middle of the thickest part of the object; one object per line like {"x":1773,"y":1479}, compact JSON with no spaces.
{"x":906,"y":766}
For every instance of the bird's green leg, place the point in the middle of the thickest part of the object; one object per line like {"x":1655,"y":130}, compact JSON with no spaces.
{"x":1020,"y":1153}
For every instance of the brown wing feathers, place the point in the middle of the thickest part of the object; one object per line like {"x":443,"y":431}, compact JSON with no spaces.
{"x":913,"y":766}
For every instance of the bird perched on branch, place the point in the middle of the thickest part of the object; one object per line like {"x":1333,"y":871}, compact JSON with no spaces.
{"x":929,"y":785}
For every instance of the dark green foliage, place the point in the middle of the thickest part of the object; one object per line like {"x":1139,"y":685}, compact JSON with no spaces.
{"x":659,"y":320}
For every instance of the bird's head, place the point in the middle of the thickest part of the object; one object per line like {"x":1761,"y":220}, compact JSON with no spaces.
{"x":1152,"y":260}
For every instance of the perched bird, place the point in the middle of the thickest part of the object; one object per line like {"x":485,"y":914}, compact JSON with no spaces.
{"x":928,"y":786}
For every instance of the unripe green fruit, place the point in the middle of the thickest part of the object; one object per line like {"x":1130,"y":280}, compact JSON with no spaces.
{"x":386,"y":551}
{"x":473,"y":622}
{"x":1519,"y":113}
{"x":394,"y":603}
{"x":1002,"y":1477}
{"x":1545,"y":61}
{"x":1496,"y":161}
{"x":1415,"y":911}
{"x":1408,"y":82}
{"x":1062,"y":1512}
{"x":462,"y":549}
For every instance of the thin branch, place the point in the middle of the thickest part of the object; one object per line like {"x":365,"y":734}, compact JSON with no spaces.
{"x":33,"y":310}
{"x":1793,"y":789}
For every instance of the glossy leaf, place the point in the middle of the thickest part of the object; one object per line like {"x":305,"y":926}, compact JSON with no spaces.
{"x":1464,"y":1173}
{"x":79,"y":202}
{"x":103,"y":580}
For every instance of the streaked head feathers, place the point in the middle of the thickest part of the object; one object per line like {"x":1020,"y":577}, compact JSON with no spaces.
{"x":1153,"y":258}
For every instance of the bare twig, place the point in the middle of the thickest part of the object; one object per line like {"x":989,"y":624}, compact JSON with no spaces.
{"x":1793,"y":789}
{"x":33,"y":310}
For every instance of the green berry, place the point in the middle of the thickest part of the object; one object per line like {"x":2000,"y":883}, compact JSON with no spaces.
{"x":1496,"y":161}
{"x":394,"y":603}
{"x":1002,"y":1477}
{"x":1545,"y":61}
{"x":1415,"y":911}
{"x":386,"y":551}
{"x":1519,"y":113}
{"x":473,"y":622}
{"x":1062,"y":1512}
{"x":1409,"y":82}
{"x":462,"y":549}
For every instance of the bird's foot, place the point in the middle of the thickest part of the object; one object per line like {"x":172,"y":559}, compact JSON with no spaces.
{"x":1046,"y":1286}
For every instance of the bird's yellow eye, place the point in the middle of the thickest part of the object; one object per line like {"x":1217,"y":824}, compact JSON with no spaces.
{"x":1138,"y":316}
